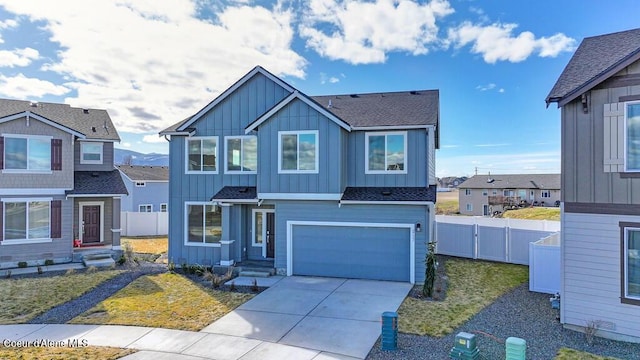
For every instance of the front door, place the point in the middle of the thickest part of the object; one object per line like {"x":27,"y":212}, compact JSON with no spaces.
{"x":90,"y":224}
{"x":271,"y":234}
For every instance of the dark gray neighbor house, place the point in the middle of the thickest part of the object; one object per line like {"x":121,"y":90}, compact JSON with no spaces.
{"x":58,"y":185}
{"x":339,"y":185}
{"x":599,"y":96}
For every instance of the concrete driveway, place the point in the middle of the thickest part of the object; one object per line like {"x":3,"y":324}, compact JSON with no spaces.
{"x":340,"y":318}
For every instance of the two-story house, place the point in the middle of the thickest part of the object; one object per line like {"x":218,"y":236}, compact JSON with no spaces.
{"x":599,"y":96}
{"x":57,"y":182}
{"x":148,"y":188}
{"x":340,"y":185}
{"x":486,"y":195}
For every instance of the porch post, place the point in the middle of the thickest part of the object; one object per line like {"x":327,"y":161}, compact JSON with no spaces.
{"x":226,"y":253}
{"x":115,"y":223}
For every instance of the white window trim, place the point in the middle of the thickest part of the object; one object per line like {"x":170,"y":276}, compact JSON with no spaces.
{"x":385,"y":134}
{"x":469,"y":207}
{"x":626,"y":121}
{"x":263,"y":230}
{"x":186,"y":223}
{"x":25,"y":241}
{"x":149,"y":206}
{"x":298,"y":132}
{"x":485,"y":192}
{"x":625,"y":265}
{"x":186,"y":155}
{"x":140,"y":183}
{"x":467,"y":192}
{"x":226,"y":153}
{"x":545,"y":192}
{"x":80,"y":211}
{"x":83,"y":161}
{"x":166,"y":207}
{"x":27,"y":170}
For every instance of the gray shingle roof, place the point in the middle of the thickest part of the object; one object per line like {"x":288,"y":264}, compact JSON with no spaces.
{"x":98,"y":183}
{"x":145,"y":173}
{"x":596,"y":59}
{"x":513,"y":181}
{"x":93,"y":123}
{"x":389,"y":194}
{"x":236,"y":193}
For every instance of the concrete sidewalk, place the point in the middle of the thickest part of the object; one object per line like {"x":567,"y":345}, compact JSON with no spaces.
{"x":159,"y":344}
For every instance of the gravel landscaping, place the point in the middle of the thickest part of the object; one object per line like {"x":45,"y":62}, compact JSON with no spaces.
{"x":519,"y":313}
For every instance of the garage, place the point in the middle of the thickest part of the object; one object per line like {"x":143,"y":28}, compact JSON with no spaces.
{"x":351,"y":250}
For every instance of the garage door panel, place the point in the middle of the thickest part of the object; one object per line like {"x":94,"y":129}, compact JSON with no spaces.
{"x":352,"y":252}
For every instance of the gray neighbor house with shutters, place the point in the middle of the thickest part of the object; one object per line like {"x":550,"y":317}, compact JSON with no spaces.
{"x":599,"y":96}
{"x":339,"y":185}
{"x":58,"y":185}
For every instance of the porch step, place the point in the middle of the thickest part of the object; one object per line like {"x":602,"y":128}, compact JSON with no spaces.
{"x":98,"y":259}
{"x":255,"y":273}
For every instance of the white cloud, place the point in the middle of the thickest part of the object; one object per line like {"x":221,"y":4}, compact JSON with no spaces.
{"x":125,"y":144}
{"x":22,"y":87}
{"x":18,"y":57}
{"x":363,"y":32}
{"x":324,"y":78}
{"x":497,"y":42}
{"x":334,"y":80}
{"x":501,"y":90}
{"x":152,"y":63}
{"x":7,"y":24}
{"x":489,"y":86}
{"x":153,"y":138}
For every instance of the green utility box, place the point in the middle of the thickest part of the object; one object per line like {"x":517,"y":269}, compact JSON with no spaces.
{"x":465,"y":347}
{"x":389,"y":339}
{"x":516,"y":349}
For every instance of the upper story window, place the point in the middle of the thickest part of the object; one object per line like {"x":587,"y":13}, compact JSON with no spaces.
{"x":632,"y":138}
{"x":630,"y":292}
{"x":242,"y":154}
{"x":27,"y":153}
{"x":386,"y":153}
{"x":163,"y":207}
{"x":298,"y":152}
{"x":467,"y":191}
{"x":202,"y":155}
{"x":91,"y":153}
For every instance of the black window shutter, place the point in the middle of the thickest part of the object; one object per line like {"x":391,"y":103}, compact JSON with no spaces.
{"x":56,"y":219}
{"x":1,"y":152}
{"x":56,"y":154}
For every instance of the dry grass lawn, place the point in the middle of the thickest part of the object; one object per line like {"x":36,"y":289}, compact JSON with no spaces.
{"x":166,"y":300}
{"x":64,"y":353}
{"x":447,"y":203}
{"x":31,"y":297}
{"x":570,"y":354}
{"x":472,"y":285}
{"x":534,"y":213}
{"x":155,"y":246}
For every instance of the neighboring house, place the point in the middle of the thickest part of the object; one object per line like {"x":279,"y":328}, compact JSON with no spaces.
{"x":148,"y":188}
{"x":340,"y":185}
{"x":57,"y":181}
{"x":485,"y":195}
{"x":599,"y":95}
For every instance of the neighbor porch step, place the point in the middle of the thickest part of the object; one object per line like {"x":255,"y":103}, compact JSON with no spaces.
{"x":255,"y":273}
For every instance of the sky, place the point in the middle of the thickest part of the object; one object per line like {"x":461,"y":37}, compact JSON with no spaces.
{"x":153,"y":63}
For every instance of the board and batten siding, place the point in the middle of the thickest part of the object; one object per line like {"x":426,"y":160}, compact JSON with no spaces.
{"x":329,"y":211}
{"x":228,"y":118}
{"x":56,"y":179}
{"x":415,"y":162}
{"x":591,"y":274}
{"x":107,"y":158}
{"x":584,"y":179}
{"x":298,"y":116}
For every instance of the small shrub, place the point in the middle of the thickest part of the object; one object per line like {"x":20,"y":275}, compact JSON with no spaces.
{"x":40,"y":271}
{"x":92,"y":269}
{"x":590,"y":330}
{"x":185,"y":268}
{"x":232,"y":286}
{"x":48,"y":262}
{"x":171,"y":266}
{"x":70,"y":272}
{"x":431,"y":262}
{"x":22,"y":264}
{"x":197,"y":269}
{"x":254,"y":285}
{"x":122,"y":260}
{"x":7,"y":274}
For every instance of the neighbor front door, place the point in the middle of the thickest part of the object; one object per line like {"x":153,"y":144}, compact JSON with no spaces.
{"x":90,"y":224}
{"x":271,"y":234}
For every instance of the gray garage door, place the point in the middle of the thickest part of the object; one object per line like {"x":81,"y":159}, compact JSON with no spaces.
{"x":351,"y":252}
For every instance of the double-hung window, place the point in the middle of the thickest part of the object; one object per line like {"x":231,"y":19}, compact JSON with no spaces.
{"x":145,"y":208}
{"x":298,"y":152}
{"x":630,"y":290}
{"x":386,"y":153}
{"x":27,"y":153}
{"x":91,"y":152}
{"x":203,"y":224}
{"x":241,"y":154}
{"x":202,"y":155}
{"x":632,"y":138}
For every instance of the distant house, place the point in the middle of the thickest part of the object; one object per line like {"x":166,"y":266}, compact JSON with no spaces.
{"x":599,"y":94}
{"x":148,"y":188}
{"x":485,"y":195}
{"x":339,"y":185}
{"x":58,"y":185}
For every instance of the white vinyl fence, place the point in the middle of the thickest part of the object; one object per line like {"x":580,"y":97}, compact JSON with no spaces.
{"x":144,"y":223}
{"x":544,"y":265}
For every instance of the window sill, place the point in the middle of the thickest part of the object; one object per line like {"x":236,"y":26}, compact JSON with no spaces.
{"x":629,"y":175}
{"x":95,"y":162}
{"x":630,"y":301}
{"x":30,"y":172}
{"x":385,"y":172}
{"x":203,"y":244}
{"x":297,"y":172}
{"x":256,"y":245}
{"x":234,"y":172}
{"x":195,"y":172}
{"x":25,"y":242}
